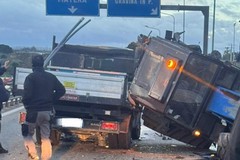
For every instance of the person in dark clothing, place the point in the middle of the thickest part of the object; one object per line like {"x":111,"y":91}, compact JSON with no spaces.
{"x":41,"y":89}
{"x":4,"y":96}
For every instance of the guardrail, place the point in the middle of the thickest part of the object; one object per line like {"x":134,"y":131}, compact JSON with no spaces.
{"x":13,"y":101}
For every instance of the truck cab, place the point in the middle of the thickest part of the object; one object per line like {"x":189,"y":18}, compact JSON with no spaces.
{"x":186,"y":95}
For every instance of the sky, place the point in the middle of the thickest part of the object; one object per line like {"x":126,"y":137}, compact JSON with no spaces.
{"x":24,"y":23}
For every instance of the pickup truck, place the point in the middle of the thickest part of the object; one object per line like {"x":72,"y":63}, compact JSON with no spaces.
{"x":95,"y":106}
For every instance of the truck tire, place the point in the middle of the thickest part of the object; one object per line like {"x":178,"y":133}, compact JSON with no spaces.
{"x":136,"y":130}
{"x":55,"y":136}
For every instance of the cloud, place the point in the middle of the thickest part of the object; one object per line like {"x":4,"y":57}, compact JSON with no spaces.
{"x":25,"y":23}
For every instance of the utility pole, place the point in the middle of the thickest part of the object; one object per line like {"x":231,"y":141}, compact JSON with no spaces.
{"x":184,"y":22}
{"x":233,"y":52}
{"x":213,"y":29}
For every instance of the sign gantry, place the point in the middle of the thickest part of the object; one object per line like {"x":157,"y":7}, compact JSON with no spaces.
{"x":115,"y":8}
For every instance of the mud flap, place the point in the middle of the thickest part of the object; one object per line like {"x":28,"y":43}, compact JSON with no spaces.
{"x":123,"y":139}
{"x":124,"y":126}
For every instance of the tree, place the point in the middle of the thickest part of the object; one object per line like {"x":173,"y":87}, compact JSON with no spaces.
{"x":3,"y":56}
{"x":33,"y":49}
{"x":216,"y":54}
{"x":238,"y":57}
{"x":132,"y":45}
{"x":226,"y":54}
{"x":5,"y":49}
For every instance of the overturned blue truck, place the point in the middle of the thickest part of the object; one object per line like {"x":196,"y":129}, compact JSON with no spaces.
{"x":186,"y":95}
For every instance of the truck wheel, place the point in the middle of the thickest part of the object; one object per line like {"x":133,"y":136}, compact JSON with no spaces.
{"x":136,"y":131}
{"x":55,"y":136}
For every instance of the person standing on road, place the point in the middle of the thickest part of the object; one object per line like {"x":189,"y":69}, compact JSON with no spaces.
{"x":4,"y":96}
{"x":41,"y":89}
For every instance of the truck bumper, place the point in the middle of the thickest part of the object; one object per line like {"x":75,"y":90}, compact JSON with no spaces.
{"x":78,"y":125}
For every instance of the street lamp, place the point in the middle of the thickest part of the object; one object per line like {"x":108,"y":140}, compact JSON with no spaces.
{"x":173,"y":20}
{"x":159,"y":32}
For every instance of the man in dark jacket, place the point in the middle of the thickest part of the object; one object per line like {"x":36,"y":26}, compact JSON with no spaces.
{"x":41,"y":89}
{"x":4,"y":96}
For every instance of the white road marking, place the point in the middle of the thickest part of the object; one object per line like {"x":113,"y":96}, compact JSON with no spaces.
{"x":12,"y":111}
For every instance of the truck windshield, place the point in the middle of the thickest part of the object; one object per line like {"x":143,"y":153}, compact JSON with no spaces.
{"x":227,"y":78}
{"x":191,"y":88}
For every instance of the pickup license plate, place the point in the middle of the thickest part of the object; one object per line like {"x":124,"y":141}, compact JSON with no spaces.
{"x":70,"y":122}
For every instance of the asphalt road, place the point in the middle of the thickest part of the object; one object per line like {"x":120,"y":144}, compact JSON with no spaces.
{"x":150,"y":146}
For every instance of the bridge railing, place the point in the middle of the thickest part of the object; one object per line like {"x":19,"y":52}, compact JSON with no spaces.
{"x":13,"y":101}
